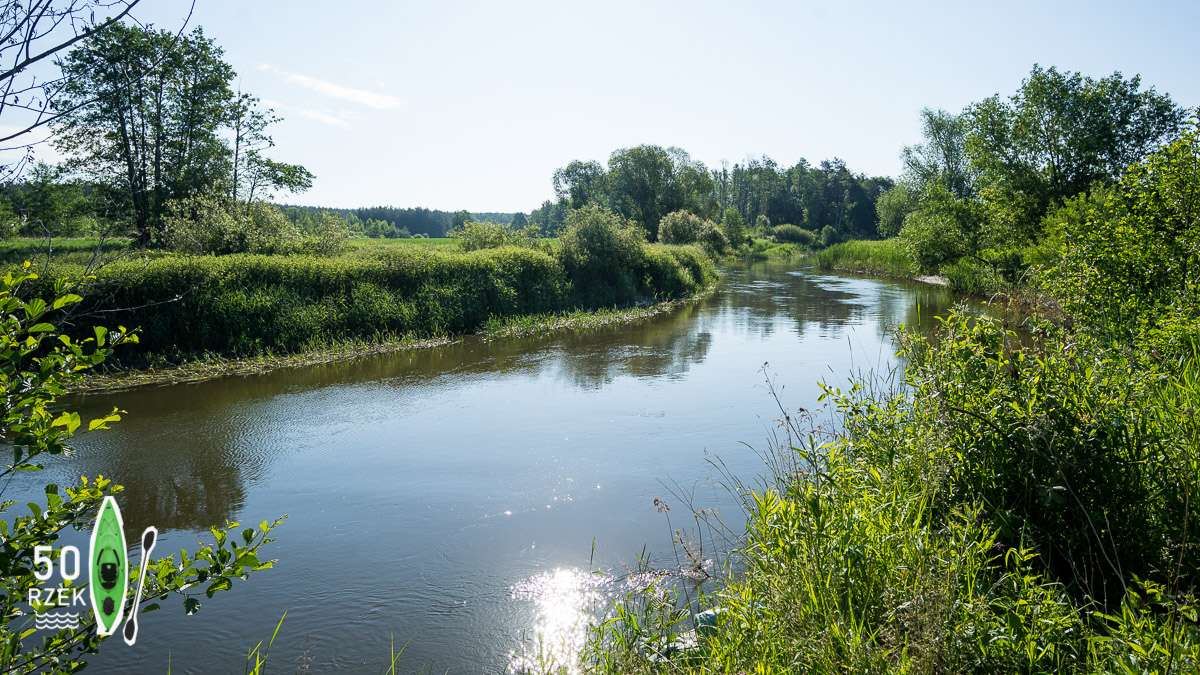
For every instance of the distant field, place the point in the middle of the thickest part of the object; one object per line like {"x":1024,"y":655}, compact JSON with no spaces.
{"x":441,"y":243}
{"x":69,"y":250}
{"x":79,"y":250}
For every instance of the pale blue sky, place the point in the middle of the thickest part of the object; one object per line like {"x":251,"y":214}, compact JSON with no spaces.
{"x":473,"y":105}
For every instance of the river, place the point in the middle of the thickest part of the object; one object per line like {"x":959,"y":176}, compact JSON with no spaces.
{"x":456,"y":498}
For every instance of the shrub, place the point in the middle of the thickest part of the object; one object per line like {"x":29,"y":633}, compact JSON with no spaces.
{"x":713,"y":239}
{"x":1073,"y":450}
{"x":932,"y":239}
{"x":601,"y":252}
{"x":762,"y":224}
{"x":680,"y":227}
{"x":735,"y":226}
{"x":1130,"y":263}
{"x":327,"y":237}
{"x":892,"y":207}
{"x":211,"y":224}
{"x":684,"y":227}
{"x":830,"y":236}
{"x":968,"y":275}
{"x":476,"y":235}
{"x":794,"y":234}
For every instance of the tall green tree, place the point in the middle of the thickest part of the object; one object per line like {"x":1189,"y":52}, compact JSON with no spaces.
{"x":256,"y":176}
{"x":647,"y":182}
{"x":1057,"y":136}
{"x":148,"y":113}
{"x":581,"y":183}
{"x":942,"y":156}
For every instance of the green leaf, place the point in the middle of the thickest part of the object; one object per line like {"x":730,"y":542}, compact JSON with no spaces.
{"x":70,"y":420}
{"x":219,"y":584}
{"x":64,"y":300}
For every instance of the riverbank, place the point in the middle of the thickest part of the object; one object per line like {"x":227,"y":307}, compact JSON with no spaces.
{"x":769,"y":249}
{"x":887,"y":258}
{"x":243,"y":307}
{"x":583,"y":320}
{"x":212,"y":366}
{"x":884,"y":257}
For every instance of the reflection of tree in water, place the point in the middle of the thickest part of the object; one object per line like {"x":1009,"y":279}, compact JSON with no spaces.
{"x":664,"y":346}
{"x":204,"y":494}
{"x":182,"y":459}
{"x":764,"y":296}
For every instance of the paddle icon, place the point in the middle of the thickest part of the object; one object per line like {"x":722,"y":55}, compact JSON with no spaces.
{"x":149,"y":538}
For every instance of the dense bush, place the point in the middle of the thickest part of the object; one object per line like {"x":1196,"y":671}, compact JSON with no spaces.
{"x":794,"y":234}
{"x":830,"y":236}
{"x":892,"y":207}
{"x":713,"y":239}
{"x":933,"y":238}
{"x":602,"y":252}
{"x":1130,"y":265}
{"x":327,"y":237}
{"x":735,"y":227}
{"x":476,"y":235}
{"x":680,"y":227}
{"x":1074,"y":451}
{"x":684,"y":227}
{"x":211,"y":224}
{"x":762,"y":224}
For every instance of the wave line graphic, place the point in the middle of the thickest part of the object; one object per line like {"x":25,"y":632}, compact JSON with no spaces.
{"x":56,"y":621}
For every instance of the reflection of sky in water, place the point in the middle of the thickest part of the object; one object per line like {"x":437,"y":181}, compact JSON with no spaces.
{"x":450,"y":497}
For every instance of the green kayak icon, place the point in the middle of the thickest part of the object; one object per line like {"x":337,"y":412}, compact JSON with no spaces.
{"x":109,"y":566}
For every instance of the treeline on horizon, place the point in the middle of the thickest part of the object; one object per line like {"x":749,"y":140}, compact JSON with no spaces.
{"x":393,"y":222}
{"x":643,"y":184}
{"x":646,"y":182}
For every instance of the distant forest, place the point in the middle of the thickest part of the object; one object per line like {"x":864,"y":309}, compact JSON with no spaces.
{"x":395,"y":222}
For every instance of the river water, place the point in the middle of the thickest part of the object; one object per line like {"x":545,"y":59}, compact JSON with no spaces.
{"x":456,"y":499}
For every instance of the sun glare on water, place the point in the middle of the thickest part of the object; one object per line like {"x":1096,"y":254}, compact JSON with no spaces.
{"x":564,"y":600}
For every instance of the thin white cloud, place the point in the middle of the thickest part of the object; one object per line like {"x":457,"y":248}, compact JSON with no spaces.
{"x":323,"y":118}
{"x":370,"y":99}
{"x":326,"y":118}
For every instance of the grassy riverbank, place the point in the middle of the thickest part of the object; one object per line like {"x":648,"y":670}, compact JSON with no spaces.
{"x":1009,"y":512}
{"x":211,"y":366}
{"x":256,"y":310}
{"x":885,"y":257}
{"x":769,"y":249}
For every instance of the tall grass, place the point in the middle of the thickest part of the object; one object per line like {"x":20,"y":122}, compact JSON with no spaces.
{"x":885,"y":257}
{"x":1009,"y":509}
